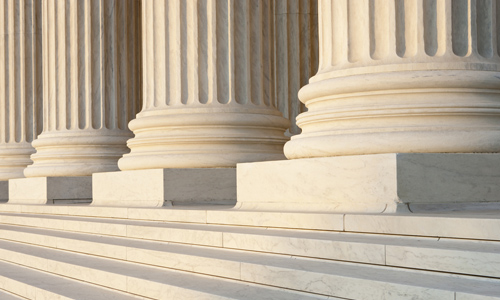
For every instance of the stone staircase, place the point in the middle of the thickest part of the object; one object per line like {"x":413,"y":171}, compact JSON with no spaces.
{"x":87,"y":252}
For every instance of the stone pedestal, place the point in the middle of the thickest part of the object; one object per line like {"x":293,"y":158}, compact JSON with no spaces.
{"x":411,"y":182}
{"x":165,"y":187}
{"x":43,"y":190}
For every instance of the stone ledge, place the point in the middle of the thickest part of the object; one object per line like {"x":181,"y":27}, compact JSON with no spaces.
{"x":159,"y":187}
{"x":372,"y":183}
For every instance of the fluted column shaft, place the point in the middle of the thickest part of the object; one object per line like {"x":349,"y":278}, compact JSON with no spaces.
{"x":296,"y":30}
{"x":403,"y":76}
{"x":20,"y":84}
{"x":208,"y":86}
{"x":91,"y":85}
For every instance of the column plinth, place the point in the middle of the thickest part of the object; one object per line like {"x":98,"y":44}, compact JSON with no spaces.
{"x":402,"y":76}
{"x":208,"y":86}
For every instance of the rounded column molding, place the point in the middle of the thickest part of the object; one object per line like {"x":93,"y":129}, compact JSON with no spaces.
{"x":92,"y":85}
{"x":208,"y":86}
{"x":403,"y":76}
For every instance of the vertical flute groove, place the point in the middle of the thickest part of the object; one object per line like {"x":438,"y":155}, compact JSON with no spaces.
{"x":430,"y":27}
{"x":484,"y":19}
{"x":497,"y":21}
{"x":460,"y":30}
{"x":202,"y":28}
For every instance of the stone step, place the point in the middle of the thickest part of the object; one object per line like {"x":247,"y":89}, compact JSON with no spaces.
{"x":447,"y":255}
{"x":25,"y":283}
{"x":8,"y":296}
{"x":146,"y":281}
{"x":328,"y":278}
{"x":453,"y":225}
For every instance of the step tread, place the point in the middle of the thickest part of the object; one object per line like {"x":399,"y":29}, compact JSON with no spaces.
{"x":304,"y":268}
{"x":121,"y":273}
{"x":31,"y":283}
{"x":8,"y":296}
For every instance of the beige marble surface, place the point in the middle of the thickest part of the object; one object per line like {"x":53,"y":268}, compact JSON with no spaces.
{"x":43,"y":190}
{"x":371,"y":183}
{"x":159,"y":187}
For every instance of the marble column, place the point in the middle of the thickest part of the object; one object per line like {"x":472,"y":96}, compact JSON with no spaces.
{"x":403,"y":76}
{"x":208,"y":86}
{"x":92,"y":85}
{"x":296,"y":30}
{"x":20,"y":84}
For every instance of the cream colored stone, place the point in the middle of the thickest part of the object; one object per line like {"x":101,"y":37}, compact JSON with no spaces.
{"x":302,"y":220}
{"x":33,"y":284}
{"x":159,"y":187}
{"x":440,"y":225}
{"x":42,"y":190}
{"x":328,"y":248}
{"x":176,"y":234}
{"x":20,"y":84}
{"x":169,"y":214}
{"x":402,"y":76}
{"x":138,"y":279}
{"x":370,"y":183}
{"x":91,"y":86}
{"x":208,"y":86}
{"x":476,"y":259}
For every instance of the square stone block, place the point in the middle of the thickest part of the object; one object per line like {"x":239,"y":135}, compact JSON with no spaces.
{"x":373,"y":183}
{"x":159,"y":187}
{"x":42,"y":190}
{"x":4,"y":191}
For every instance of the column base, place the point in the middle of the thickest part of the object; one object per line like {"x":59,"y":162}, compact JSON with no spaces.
{"x":389,"y":183}
{"x":43,"y":190}
{"x":165,"y":187}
